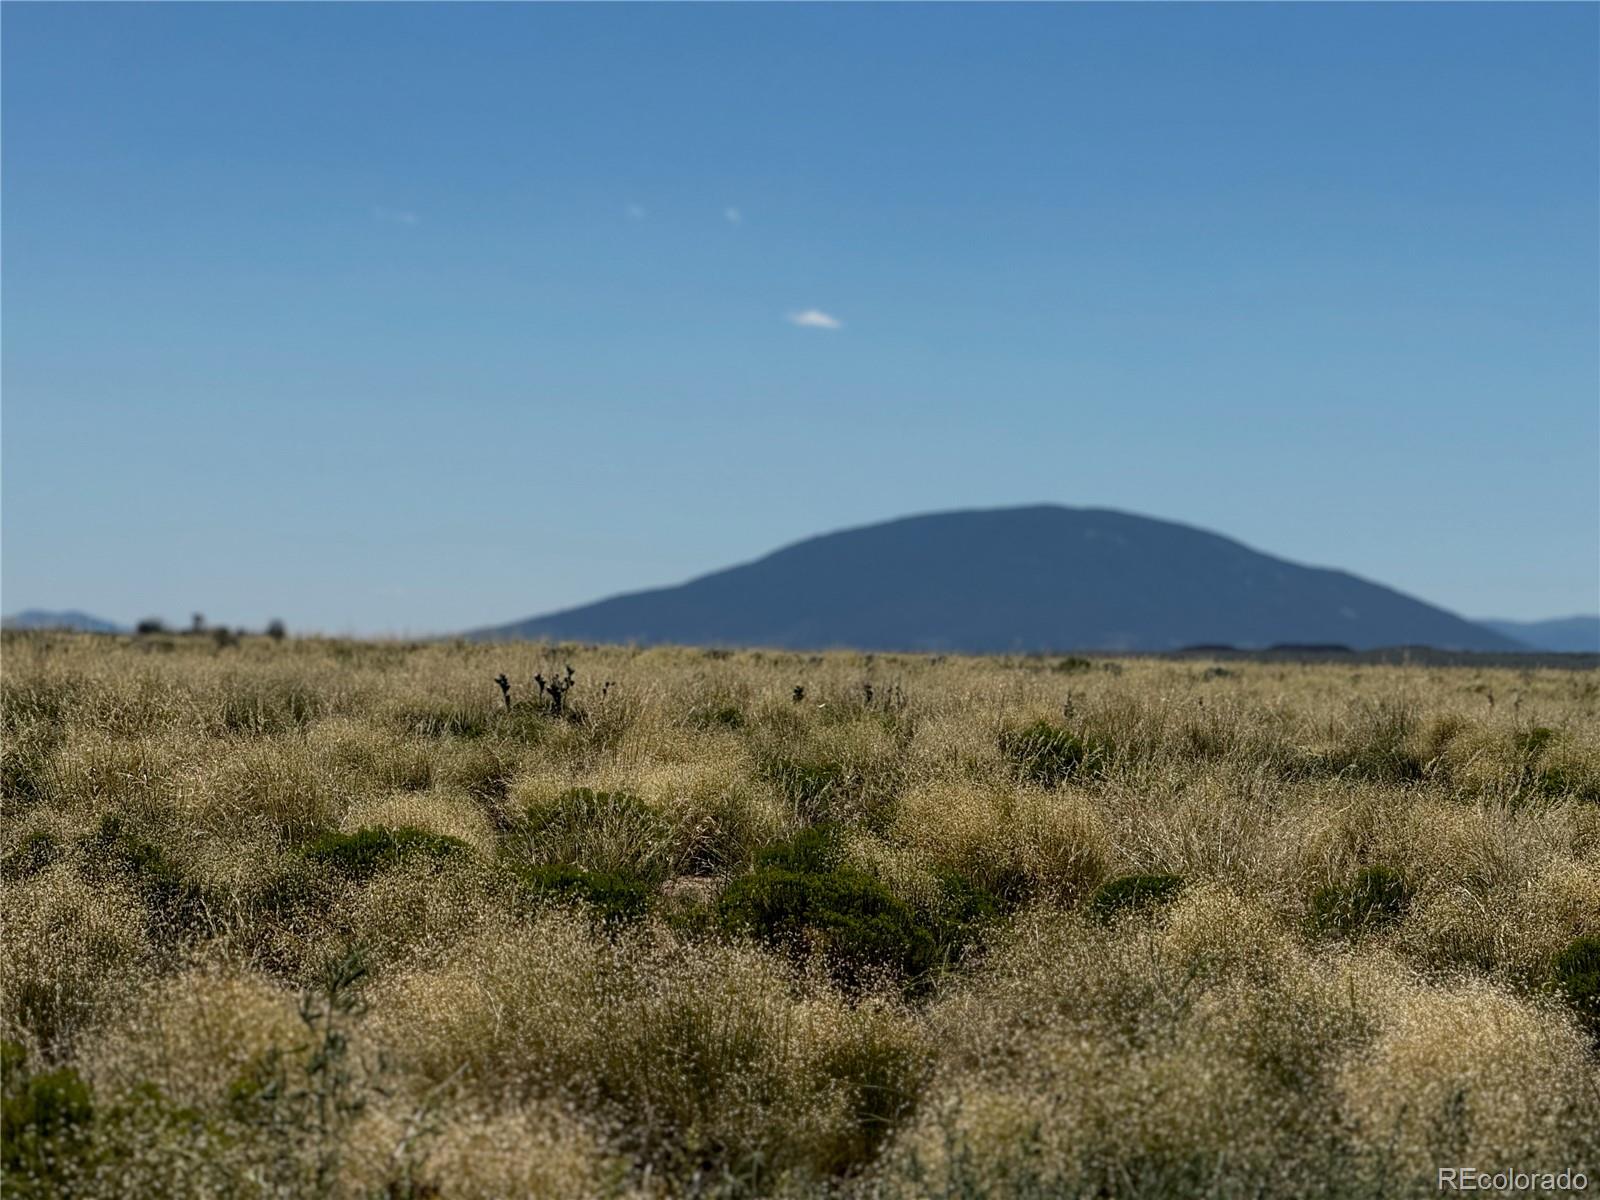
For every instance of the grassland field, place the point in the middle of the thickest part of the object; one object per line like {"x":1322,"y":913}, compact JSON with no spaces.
{"x":330,"y":918}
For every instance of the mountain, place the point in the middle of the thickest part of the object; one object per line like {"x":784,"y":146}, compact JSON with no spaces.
{"x":1019,"y":579}
{"x":38,"y":618}
{"x":1564,"y":634}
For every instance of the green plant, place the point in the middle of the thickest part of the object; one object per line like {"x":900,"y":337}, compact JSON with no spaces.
{"x":1531,"y":743}
{"x":364,"y":853}
{"x":45,"y":1122}
{"x":796,"y":900}
{"x":306,"y":1099}
{"x":1374,"y":897}
{"x":1046,"y":754}
{"x":717,"y":715}
{"x":37,"y":851}
{"x":177,"y":905}
{"x":811,"y":785}
{"x":1378,"y":745}
{"x":614,"y":898}
{"x":25,"y":761}
{"x":1133,"y":893}
{"x":598,"y":830}
{"x":815,"y":849}
{"x":963,"y":912}
{"x":1576,"y":975}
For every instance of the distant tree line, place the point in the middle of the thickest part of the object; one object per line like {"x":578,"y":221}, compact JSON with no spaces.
{"x":221,"y":634}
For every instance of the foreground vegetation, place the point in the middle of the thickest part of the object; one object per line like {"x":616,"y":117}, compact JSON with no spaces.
{"x":326,"y":918}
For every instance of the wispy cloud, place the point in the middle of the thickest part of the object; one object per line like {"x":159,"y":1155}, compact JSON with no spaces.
{"x":395,"y":216}
{"x":635,"y":212}
{"x":815,"y":318}
{"x":732,"y":215}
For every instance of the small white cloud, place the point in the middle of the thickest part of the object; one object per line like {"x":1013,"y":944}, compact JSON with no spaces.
{"x":732,"y":215}
{"x":395,"y":216}
{"x":636,"y":212}
{"x":815,"y":318}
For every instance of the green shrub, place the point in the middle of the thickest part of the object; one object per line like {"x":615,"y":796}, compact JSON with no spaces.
{"x":883,"y":1078}
{"x":1576,"y":975}
{"x":815,"y":850}
{"x":1565,"y":781}
{"x":1375,"y":897}
{"x":812,"y":786}
{"x":598,"y":831}
{"x":449,"y":721}
{"x":1046,"y":754}
{"x":1133,"y":893}
{"x":266,"y":707}
{"x":717,"y":715}
{"x":964,"y":911}
{"x":364,"y":853}
{"x":795,"y":902}
{"x":44,"y":1125}
{"x":615,"y":898}
{"x":37,"y":851}
{"x":1531,"y":743}
{"x":178,"y":906}
{"x":25,"y":766}
{"x":1378,"y":745}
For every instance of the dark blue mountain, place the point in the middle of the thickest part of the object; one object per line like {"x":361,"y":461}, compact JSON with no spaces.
{"x":1043,"y":578}
{"x":38,"y":618}
{"x":1564,"y":634}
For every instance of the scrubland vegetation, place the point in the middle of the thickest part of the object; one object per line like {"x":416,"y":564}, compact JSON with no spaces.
{"x":291,"y":918}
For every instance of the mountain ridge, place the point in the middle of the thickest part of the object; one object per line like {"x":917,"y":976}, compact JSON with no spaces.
{"x":70,"y":618}
{"x":1578,"y":634}
{"x":1033,"y":578}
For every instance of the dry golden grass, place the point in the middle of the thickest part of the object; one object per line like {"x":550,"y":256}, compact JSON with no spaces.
{"x":245,"y":1012}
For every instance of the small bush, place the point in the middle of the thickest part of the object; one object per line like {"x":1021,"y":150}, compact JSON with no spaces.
{"x":1133,"y":893}
{"x":598,"y":831}
{"x":364,"y":853}
{"x":1375,"y":897}
{"x":811,"y":786}
{"x":1047,"y":754}
{"x":1560,"y":780}
{"x":177,"y":904}
{"x":615,"y":898}
{"x":447,"y":721}
{"x":964,"y":911}
{"x":1378,"y":746}
{"x":267,"y":707}
{"x":1576,"y":975}
{"x":44,"y":1125}
{"x":25,"y":766}
{"x":1531,"y":743}
{"x":796,"y":901}
{"x":725,"y":715}
{"x":37,"y":851}
{"x":815,"y":850}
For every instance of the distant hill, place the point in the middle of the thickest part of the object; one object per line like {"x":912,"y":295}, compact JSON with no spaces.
{"x":1020,"y":579}
{"x":38,"y":618}
{"x":1565,"y":634}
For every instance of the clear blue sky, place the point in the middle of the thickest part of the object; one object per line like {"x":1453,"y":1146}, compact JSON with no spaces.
{"x":383,"y":318}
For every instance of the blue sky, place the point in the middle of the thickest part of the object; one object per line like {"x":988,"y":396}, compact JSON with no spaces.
{"x":414,"y":318}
